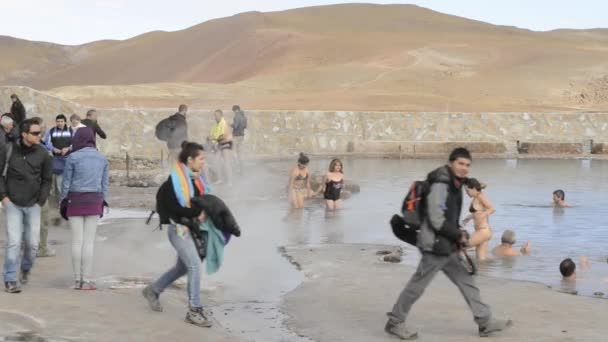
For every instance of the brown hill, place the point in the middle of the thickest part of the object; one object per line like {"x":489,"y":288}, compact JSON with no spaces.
{"x":354,"y":56}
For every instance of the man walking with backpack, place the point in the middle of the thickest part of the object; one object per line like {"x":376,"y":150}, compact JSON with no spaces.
{"x":439,"y":240}
{"x":24,"y":187}
{"x":173,"y":130}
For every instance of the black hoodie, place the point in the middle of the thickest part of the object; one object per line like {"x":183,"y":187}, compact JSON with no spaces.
{"x":29,"y":175}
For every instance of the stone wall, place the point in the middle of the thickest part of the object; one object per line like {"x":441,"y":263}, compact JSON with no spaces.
{"x":285,"y":133}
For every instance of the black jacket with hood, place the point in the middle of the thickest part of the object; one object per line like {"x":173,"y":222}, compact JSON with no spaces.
{"x":29,"y":175}
{"x":18,"y":112}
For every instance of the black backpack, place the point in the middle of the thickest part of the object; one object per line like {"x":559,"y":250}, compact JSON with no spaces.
{"x":165,"y":128}
{"x":406,"y":226}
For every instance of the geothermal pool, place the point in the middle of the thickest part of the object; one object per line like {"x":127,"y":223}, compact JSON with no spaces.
{"x":520,"y":190}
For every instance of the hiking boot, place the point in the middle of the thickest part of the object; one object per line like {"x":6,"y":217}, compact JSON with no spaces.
{"x":152,"y":299}
{"x":45,"y":253}
{"x":494,"y":326}
{"x":12,"y":287}
{"x":88,"y":286}
{"x":399,"y":330}
{"x":24,"y":277}
{"x":198,"y":317}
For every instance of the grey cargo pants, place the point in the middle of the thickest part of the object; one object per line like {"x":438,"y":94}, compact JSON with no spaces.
{"x":453,"y":268}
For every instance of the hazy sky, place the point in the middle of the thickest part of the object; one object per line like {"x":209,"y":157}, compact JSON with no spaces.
{"x":80,"y":21}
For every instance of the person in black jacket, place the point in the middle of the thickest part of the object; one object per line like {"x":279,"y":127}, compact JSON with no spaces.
{"x":439,"y":240}
{"x":24,"y":188}
{"x":17,"y":110}
{"x":91,"y":121}
{"x":171,"y":213}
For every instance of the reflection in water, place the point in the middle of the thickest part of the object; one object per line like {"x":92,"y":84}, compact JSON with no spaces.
{"x":302,"y":224}
{"x":334,"y":234}
{"x":558,"y":214}
{"x":297,"y":233}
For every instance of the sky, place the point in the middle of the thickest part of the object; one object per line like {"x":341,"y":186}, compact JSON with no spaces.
{"x":73,"y":22}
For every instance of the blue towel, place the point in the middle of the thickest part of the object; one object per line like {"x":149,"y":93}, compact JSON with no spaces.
{"x":216,"y":241}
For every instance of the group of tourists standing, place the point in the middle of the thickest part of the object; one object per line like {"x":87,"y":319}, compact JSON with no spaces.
{"x":63,"y":163}
{"x":224,"y":142}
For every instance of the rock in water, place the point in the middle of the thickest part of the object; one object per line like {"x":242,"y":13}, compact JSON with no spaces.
{"x":394,"y":258}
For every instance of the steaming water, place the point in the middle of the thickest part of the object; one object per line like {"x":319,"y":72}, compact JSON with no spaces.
{"x":521,"y":191}
{"x":255,"y":276}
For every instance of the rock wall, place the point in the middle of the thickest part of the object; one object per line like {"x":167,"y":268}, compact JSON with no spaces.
{"x":285,"y":133}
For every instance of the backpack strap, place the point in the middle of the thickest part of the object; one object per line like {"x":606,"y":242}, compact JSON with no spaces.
{"x":9,"y":152}
{"x":152,"y":213}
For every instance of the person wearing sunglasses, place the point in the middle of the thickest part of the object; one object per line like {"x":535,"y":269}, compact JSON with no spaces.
{"x":25,"y":184}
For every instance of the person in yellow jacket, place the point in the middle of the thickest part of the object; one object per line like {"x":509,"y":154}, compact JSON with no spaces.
{"x":221,"y":137}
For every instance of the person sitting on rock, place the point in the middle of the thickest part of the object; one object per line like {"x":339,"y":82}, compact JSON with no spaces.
{"x":505,"y":249}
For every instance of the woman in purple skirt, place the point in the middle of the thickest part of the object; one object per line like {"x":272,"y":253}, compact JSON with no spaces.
{"x":84,"y":190}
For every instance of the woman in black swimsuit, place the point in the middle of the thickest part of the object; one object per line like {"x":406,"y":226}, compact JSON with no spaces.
{"x":333,"y":182}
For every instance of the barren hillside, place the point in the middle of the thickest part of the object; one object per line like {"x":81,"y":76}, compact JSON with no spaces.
{"x":342,"y":57}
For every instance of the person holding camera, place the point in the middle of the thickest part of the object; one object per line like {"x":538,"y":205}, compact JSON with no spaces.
{"x":440,"y":240}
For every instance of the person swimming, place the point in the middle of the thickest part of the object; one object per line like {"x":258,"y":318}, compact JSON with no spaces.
{"x":559,"y":199}
{"x":505,"y":249}
{"x":299,"y":182}
{"x":568,"y":269}
{"x":481,"y":209}
{"x":332,"y":185}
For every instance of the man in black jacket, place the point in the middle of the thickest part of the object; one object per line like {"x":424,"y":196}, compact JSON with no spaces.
{"x":17,"y":110}
{"x":91,"y":122}
{"x":439,"y":240}
{"x":24,"y":188}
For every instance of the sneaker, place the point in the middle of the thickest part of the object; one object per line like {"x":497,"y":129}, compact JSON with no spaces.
{"x":400,"y":331}
{"x":494,"y":326}
{"x":88,"y":286}
{"x":45,"y":253}
{"x":77,"y":285}
{"x":12,"y":287}
{"x":152,"y":299}
{"x":198,"y":317}
{"x":24,"y":277}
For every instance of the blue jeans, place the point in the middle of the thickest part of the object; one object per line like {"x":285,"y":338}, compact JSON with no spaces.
{"x":188,"y":262}
{"x":21,"y":222}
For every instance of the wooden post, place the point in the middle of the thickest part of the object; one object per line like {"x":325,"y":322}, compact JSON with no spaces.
{"x":128,"y":162}
{"x":162,"y":159}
